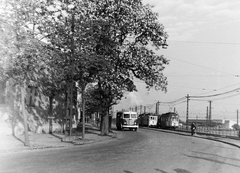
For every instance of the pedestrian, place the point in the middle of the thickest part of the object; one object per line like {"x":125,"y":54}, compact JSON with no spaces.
{"x":193,"y":128}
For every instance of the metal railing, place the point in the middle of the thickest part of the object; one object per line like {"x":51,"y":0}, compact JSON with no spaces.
{"x":212,"y":131}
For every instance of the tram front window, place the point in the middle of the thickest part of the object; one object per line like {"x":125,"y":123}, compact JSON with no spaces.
{"x":133,"y":116}
{"x":126,"y":115}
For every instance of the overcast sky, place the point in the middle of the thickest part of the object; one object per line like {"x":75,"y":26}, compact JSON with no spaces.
{"x":204,"y":54}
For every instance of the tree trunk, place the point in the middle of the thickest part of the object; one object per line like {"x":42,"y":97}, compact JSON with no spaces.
{"x":83,"y":110}
{"x":104,"y":123}
{"x":50,"y":114}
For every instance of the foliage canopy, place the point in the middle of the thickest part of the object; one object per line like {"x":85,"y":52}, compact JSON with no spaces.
{"x":109,"y":43}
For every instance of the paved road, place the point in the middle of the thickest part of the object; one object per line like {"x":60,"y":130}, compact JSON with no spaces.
{"x":144,"y":151}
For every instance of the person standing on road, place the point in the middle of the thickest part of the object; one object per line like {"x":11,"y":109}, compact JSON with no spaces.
{"x":193,"y":128}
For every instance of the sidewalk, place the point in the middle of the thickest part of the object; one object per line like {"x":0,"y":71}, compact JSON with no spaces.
{"x":9,"y":143}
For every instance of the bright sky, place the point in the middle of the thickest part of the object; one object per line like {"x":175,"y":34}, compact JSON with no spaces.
{"x":204,"y":54}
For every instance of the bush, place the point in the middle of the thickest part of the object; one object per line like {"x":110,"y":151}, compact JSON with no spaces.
{"x":236,"y":127}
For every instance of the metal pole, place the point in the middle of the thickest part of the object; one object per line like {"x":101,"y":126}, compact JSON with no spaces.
{"x":207,"y":117}
{"x":83,"y":111}
{"x":187,"y":112}
{"x":237,"y":118}
{"x":67,"y":109}
{"x":71,"y":107}
{"x":24,"y":115}
{"x":157,"y":107}
{"x":210,"y":112}
{"x":71,"y":83}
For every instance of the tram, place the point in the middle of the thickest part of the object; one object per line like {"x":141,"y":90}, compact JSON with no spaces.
{"x":168,"y":120}
{"x":148,"y":119}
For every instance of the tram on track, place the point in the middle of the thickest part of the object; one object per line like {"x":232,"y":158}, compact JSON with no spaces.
{"x":148,"y":119}
{"x":168,"y":120}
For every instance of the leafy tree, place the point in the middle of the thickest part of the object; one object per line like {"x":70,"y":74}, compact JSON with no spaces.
{"x":236,"y":127}
{"x":125,"y":33}
{"x":109,"y":42}
{"x":92,"y":105}
{"x":64,"y":27}
{"x":52,"y":82}
{"x":21,"y":50}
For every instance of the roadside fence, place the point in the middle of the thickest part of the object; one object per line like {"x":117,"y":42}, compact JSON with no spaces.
{"x":213,"y":131}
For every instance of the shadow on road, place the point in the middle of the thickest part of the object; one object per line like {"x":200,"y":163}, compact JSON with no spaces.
{"x":19,"y":139}
{"x":177,"y":170}
{"x":215,"y":155}
{"x":211,"y":160}
{"x":56,"y":136}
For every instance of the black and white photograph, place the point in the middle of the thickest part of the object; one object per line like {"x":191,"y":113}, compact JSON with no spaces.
{"x":119,"y":86}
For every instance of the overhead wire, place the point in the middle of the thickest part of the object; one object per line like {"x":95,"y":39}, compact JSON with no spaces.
{"x":230,"y":74}
{"x":214,"y":90}
{"x":201,"y":98}
{"x":214,"y":95}
{"x":175,"y":101}
{"x":204,"y":42}
{"x":226,"y":97}
{"x":183,"y":99}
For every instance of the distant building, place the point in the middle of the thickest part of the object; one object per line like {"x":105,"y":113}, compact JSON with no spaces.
{"x":228,"y":124}
{"x":204,"y":122}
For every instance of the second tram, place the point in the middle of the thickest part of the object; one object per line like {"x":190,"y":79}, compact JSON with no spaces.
{"x":148,"y":119}
{"x":168,"y":120}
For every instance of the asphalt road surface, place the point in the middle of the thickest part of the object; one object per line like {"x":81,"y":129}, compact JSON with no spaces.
{"x":144,"y":151}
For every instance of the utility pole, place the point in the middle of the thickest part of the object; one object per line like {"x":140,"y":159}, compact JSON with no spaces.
{"x":136,"y":108}
{"x":157,"y":107}
{"x":69,"y":107}
{"x":83,"y":110}
{"x":70,"y":83}
{"x":207,"y":117}
{"x":210,"y":112}
{"x":187,"y":111}
{"x":237,"y":118}
{"x":24,"y":114}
